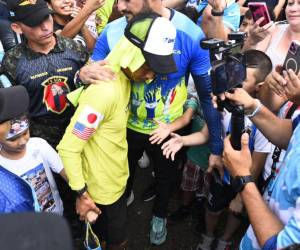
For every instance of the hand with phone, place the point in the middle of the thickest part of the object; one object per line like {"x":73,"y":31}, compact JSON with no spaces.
{"x":259,"y":10}
{"x":258,"y":33}
{"x":292,"y":86}
{"x":275,"y":81}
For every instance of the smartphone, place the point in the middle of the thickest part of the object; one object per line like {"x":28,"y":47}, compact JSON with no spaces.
{"x":292,"y":60}
{"x":227,"y":74}
{"x":258,"y":10}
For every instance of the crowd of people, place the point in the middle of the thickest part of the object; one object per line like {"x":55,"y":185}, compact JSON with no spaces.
{"x":90,"y":90}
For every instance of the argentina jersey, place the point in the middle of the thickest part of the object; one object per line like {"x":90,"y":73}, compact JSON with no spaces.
{"x":283,"y":198}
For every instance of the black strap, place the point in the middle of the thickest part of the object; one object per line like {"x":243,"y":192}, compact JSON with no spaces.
{"x":277,"y":151}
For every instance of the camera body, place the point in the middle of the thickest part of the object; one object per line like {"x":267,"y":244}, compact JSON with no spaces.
{"x":228,"y":67}
{"x":228,"y":72}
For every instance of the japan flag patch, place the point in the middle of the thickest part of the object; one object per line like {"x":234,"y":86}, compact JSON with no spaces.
{"x":87,"y":123}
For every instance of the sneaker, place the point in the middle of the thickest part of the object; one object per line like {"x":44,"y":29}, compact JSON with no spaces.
{"x":144,"y":161}
{"x":158,"y":231}
{"x":206,"y":242}
{"x":180,"y":214}
{"x":130,"y":199}
{"x":149,"y":193}
{"x":223,"y":245}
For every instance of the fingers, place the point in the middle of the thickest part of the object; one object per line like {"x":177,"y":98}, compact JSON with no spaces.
{"x":210,"y":169}
{"x":221,"y":172}
{"x":245,"y":142}
{"x":276,"y":82}
{"x":91,"y":216}
{"x":227,"y":146}
{"x":173,"y":156}
{"x":155,"y":139}
{"x":293,"y":78}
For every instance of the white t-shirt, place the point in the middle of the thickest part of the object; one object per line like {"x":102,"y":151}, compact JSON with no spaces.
{"x":269,"y":161}
{"x":261,"y":143}
{"x":34,"y":167}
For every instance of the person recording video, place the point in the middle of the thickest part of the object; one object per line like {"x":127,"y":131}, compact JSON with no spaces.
{"x":274,"y":217}
{"x":222,"y":193}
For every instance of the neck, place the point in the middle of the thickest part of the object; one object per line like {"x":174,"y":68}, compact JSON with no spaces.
{"x":42,"y":48}
{"x":61,"y":20}
{"x":13,"y":155}
{"x":294,"y":33}
{"x":161,"y":10}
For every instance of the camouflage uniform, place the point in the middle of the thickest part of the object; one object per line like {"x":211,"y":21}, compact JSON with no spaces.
{"x":47,"y":78}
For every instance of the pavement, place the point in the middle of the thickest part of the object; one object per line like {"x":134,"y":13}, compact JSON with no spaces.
{"x":181,"y":236}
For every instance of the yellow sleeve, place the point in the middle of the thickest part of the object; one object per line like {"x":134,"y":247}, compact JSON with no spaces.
{"x":95,"y":105}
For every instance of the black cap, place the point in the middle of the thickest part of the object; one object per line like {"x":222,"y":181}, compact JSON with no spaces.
{"x":14,"y":101}
{"x":30,"y":12}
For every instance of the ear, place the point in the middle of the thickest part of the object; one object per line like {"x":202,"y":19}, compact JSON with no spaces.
{"x":258,"y":86}
{"x":16,"y":28}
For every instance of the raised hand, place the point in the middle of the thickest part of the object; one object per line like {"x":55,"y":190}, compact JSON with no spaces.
{"x":161,"y":133}
{"x":172,"y":146}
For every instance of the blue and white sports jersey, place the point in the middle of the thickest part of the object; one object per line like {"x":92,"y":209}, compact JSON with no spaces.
{"x":163,"y":99}
{"x":283,"y":198}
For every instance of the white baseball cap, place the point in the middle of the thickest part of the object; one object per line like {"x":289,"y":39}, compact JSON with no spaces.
{"x":155,"y":36}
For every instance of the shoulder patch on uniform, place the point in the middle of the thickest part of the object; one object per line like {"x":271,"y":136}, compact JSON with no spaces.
{"x":87,"y":123}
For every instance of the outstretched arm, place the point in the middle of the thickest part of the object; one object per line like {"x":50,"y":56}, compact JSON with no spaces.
{"x":266,"y":224}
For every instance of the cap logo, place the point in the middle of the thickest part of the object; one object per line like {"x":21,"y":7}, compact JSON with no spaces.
{"x":169,"y":40}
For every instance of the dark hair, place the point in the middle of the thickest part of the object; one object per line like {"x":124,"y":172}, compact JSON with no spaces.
{"x":248,"y":14}
{"x":292,"y":247}
{"x":260,"y":61}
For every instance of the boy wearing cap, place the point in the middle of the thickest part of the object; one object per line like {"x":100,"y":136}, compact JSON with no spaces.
{"x":94,"y":147}
{"x":29,"y":160}
{"x":9,"y":108}
{"x":45,"y":65}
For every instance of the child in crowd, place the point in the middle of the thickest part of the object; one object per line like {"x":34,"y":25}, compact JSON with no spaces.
{"x":197,"y":156}
{"x":76,"y":20}
{"x":31,"y":161}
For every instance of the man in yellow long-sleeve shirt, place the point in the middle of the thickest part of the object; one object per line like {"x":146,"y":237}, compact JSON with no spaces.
{"x":94,"y":147}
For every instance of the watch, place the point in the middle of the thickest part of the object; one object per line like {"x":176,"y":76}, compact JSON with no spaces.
{"x":238,"y":183}
{"x":217,"y":13}
{"x":80,"y":192}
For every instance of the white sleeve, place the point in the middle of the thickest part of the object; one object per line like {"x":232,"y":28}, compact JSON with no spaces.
{"x":261,"y":144}
{"x":50,"y":156}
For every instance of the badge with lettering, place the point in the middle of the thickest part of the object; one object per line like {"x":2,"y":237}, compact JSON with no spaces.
{"x":55,"y":91}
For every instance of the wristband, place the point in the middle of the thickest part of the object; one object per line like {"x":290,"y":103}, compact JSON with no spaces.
{"x":217,"y":13}
{"x":80,"y":192}
{"x":77,"y":81}
{"x":258,"y":107}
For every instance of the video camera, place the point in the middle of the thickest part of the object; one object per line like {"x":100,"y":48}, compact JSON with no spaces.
{"x":228,"y":72}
